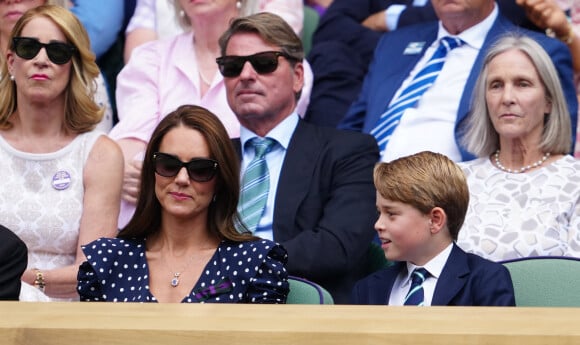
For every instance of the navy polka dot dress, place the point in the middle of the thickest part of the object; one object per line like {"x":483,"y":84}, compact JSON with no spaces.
{"x":239,"y":272}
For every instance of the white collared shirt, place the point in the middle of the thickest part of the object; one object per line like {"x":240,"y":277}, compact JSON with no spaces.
{"x":393,"y":12}
{"x":403,"y":282}
{"x":431,"y":125}
{"x":282,"y":133}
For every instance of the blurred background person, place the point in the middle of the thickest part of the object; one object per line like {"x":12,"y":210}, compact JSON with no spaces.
{"x":157,"y":19}
{"x":524,"y":187}
{"x":182,"y":244}
{"x":67,"y":176}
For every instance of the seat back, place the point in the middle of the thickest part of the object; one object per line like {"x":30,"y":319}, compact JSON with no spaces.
{"x":546,"y":281}
{"x":303,"y":291}
{"x":310,"y":23}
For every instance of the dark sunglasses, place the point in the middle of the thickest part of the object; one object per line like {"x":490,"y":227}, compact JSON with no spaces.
{"x":28,"y":47}
{"x":231,"y":66}
{"x":198,"y":169}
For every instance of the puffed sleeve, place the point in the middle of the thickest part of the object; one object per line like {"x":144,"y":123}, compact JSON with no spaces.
{"x":270,"y":285}
{"x":88,"y":284}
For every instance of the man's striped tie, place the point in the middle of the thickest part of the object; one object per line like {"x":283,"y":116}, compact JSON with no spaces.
{"x":255,"y":184}
{"x":408,"y":98}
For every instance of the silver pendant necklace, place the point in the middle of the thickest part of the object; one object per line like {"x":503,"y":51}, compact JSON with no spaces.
{"x":175,"y":280}
{"x":177,"y":275}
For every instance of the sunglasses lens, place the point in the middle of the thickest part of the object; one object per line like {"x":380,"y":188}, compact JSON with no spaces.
{"x":59,"y":53}
{"x":27,"y":48}
{"x":231,"y":66}
{"x":201,"y":170}
{"x":265,"y":62}
{"x":166,"y":165}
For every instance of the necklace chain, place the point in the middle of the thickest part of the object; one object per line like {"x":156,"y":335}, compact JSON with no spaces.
{"x":176,"y":275}
{"x":522,"y":169}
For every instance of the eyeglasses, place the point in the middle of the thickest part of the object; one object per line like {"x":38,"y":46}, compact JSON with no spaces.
{"x":28,"y":47}
{"x":198,"y":169}
{"x":231,"y":66}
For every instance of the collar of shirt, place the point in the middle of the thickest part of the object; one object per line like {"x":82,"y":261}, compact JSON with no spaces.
{"x":434,"y":266}
{"x":475,"y":35}
{"x":282,"y":133}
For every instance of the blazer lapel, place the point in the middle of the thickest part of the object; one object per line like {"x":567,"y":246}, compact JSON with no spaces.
{"x":453,"y":277}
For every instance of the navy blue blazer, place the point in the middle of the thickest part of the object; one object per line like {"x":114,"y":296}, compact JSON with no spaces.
{"x":466,"y":280}
{"x":390,"y":67}
{"x":325,"y":209}
{"x":13,"y":261}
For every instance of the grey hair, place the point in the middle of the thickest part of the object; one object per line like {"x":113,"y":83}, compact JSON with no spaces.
{"x":480,"y":137}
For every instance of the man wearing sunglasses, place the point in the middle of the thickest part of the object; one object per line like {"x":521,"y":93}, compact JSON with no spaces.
{"x":319,"y":200}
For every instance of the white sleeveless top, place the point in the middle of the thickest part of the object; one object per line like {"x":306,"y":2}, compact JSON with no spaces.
{"x":41,"y":199}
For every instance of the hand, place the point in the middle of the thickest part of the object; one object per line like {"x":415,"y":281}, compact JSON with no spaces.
{"x":132,"y":180}
{"x":376,"y":22}
{"x":546,"y":14}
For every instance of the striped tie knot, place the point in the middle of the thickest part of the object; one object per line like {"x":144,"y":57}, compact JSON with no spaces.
{"x":416,"y":296}
{"x":410,"y":95}
{"x":255,"y":184}
{"x":261,"y":146}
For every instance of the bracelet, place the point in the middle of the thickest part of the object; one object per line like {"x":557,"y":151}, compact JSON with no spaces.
{"x":566,"y":39}
{"x":39,"y":282}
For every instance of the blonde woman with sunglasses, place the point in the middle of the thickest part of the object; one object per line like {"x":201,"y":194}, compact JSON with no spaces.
{"x":61,"y":179}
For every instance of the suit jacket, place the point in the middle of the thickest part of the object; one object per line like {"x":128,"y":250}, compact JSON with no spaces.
{"x":391,"y":67}
{"x":343,"y":49}
{"x":466,"y":280}
{"x":325,"y":209}
{"x":13,"y":261}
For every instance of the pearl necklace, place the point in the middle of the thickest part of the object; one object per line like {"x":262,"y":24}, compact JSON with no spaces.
{"x":522,"y":169}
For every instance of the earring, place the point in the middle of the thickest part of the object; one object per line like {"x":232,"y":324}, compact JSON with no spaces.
{"x":181,"y":13}
{"x":12,"y":77}
{"x":239,"y":4}
{"x":214,"y":198}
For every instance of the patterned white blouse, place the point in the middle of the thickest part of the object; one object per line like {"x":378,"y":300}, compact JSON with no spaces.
{"x":520,"y":215}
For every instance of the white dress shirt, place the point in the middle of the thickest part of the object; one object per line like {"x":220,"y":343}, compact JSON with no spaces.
{"x":403,"y":282}
{"x":282,"y":133}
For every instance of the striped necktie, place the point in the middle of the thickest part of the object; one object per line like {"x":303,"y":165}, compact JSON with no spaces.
{"x":416,"y":296}
{"x":255,"y":184}
{"x":388,"y":121}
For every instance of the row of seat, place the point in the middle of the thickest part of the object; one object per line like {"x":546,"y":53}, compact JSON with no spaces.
{"x":543,"y":281}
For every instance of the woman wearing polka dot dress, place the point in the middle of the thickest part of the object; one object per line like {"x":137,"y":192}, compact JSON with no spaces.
{"x":182,"y":244}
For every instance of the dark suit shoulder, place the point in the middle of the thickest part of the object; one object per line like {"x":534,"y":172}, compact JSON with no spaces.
{"x":11,"y":242}
{"x":339,"y":138}
{"x":479,"y":264}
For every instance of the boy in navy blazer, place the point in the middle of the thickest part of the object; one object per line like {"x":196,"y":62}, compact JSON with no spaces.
{"x":422,"y":200}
